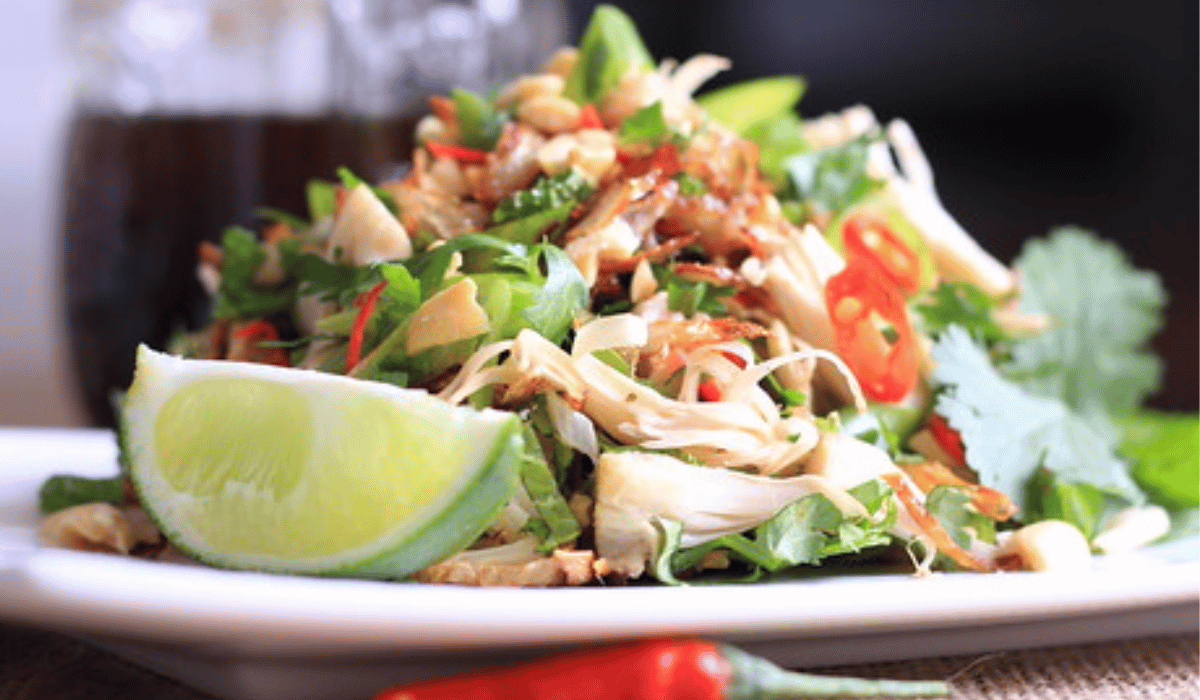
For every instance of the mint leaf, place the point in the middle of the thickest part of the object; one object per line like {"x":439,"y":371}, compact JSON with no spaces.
{"x":610,"y":48}
{"x":741,"y":105}
{"x":1008,"y":433}
{"x":1165,"y":450}
{"x":1102,"y":312}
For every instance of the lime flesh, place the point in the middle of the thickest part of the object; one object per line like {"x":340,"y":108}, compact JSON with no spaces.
{"x":258,"y":467}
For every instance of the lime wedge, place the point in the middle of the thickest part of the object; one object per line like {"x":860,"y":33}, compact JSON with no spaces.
{"x":252,"y":466}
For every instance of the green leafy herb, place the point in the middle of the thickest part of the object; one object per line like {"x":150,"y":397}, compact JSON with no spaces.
{"x":961,"y":304}
{"x":689,"y":296}
{"x":778,"y":138}
{"x":812,"y":529}
{"x":1165,"y":449}
{"x":949,"y":505}
{"x":281,"y":216}
{"x":547,"y":193}
{"x":1048,"y":497}
{"x":479,"y":123}
{"x":610,"y":48}
{"x":556,"y":524}
{"x":563,"y":295}
{"x":1009,"y":434}
{"x":830,"y":180}
{"x":646,"y":126}
{"x":239,"y":296}
{"x":1102,"y":312}
{"x":690,"y":185}
{"x":63,"y":491}
{"x":322,"y":199}
{"x":350,"y":181}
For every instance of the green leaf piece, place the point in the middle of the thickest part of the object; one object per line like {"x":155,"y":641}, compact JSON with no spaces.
{"x":239,"y":296}
{"x":563,"y":296}
{"x":646,"y":126}
{"x":610,"y":48}
{"x":548,"y":193}
{"x":831,"y":180}
{"x":1165,"y":449}
{"x":64,"y":491}
{"x":479,"y":123}
{"x":557,"y":523}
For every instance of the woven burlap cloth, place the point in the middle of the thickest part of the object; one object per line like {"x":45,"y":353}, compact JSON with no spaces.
{"x":38,"y":665}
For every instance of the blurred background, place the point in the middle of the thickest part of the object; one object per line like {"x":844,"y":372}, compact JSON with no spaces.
{"x":1033,"y":115}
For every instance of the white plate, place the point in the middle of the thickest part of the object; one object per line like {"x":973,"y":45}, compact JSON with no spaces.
{"x":258,"y":636}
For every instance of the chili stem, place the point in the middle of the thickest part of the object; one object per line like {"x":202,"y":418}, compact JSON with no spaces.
{"x":753,"y":678}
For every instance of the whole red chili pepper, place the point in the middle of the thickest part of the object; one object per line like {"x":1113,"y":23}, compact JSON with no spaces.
{"x":884,"y":359}
{"x":658,"y":669}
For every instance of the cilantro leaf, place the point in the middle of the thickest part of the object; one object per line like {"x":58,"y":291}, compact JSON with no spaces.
{"x":690,"y":185}
{"x":688,"y":296}
{"x":1008,"y":433}
{"x":949,"y":505}
{"x":1102,"y":312}
{"x":239,"y":296}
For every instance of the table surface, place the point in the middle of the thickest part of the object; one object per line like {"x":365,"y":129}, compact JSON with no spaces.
{"x":40,"y":665}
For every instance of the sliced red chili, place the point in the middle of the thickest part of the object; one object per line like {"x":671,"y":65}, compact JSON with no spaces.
{"x":947,"y":438}
{"x":664,"y":159}
{"x":366,"y":304}
{"x":255,"y":334}
{"x":870,"y":237}
{"x":872,"y":331}
{"x":459,"y":153}
{"x":708,"y":391}
{"x":589,"y":118}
